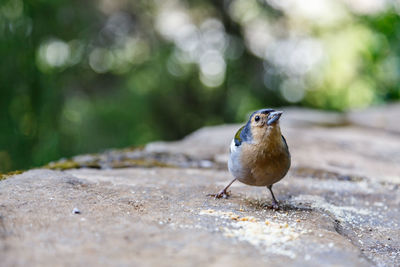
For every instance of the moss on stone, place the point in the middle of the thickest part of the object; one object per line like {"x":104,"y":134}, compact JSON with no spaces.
{"x":4,"y":176}
{"x":139,"y":163}
{"x":96,"y":164}
{"x":63,"y":165}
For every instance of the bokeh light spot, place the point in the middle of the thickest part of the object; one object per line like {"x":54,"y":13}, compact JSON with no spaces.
{"x":12,"y":9}
{"x":292,"y":90}
{"x":100,"y":60}
{"x":53,"y":54}
{"x":212,"y":68}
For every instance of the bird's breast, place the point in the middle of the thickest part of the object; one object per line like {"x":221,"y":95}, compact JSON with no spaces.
{"x":265,"y":165}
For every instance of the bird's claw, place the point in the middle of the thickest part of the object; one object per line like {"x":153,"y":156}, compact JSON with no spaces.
{"x":274,"y":206}
{"x":220,"y":194}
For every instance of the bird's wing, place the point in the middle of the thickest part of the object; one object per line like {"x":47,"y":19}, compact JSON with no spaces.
{"x":238,"y":139}
{"x":286,"y":146}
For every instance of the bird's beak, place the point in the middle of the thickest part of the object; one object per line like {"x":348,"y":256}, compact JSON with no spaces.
{"x":273,"y":117}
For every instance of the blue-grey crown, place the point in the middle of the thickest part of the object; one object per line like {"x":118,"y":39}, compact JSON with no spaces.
{"x":262,"y":111}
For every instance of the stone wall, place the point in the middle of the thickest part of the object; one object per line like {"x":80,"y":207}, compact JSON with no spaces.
{"x":149,"y":207}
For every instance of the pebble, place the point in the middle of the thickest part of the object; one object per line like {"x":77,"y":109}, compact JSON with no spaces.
{"x":76,"y":211}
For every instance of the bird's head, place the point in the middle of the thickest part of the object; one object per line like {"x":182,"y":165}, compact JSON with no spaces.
{"x":264,"y":123}
{"x":265,"y":118}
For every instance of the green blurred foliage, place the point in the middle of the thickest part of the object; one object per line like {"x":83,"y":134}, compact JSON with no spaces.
{"x":82,"y":76}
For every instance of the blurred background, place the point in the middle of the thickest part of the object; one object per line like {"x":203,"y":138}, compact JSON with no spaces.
{"x":82,"y":76}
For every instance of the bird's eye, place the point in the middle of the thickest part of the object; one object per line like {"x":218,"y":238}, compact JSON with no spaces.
{"x":257,"y":118}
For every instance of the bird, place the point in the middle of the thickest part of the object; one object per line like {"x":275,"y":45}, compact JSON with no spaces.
{"x":259,"y":154}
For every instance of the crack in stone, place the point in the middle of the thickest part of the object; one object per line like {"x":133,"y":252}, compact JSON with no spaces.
{"x":3,"y":230}
{"x":303,"y":171}
{"x":339,"y":229}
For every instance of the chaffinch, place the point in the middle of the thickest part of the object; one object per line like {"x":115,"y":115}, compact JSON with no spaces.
{"x":259,"y":154}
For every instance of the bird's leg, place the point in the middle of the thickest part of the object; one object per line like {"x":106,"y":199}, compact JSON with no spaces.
{"x":275,"y":205}
{"x":223,"y":193}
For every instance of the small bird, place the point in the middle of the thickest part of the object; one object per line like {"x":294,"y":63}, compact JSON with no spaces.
{"x":259,"y":154}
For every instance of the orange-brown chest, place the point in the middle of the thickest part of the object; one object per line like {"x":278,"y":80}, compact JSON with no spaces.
{"x":267,"y":160}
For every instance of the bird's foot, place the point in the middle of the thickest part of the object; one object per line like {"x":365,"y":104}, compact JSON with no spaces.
{"x":274,"y":206}
{"x":221,"y":194}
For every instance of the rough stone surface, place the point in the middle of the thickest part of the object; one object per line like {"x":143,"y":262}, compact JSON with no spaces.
{"x":339,"y":203}
{"x":385,"y":118}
